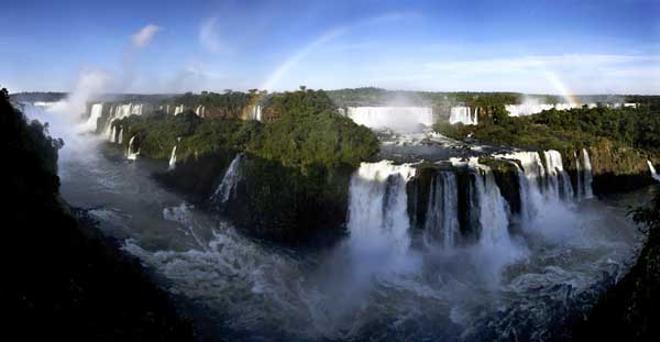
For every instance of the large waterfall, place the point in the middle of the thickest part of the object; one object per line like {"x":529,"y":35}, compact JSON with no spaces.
{"x":405,"y":119}
{"x":378,"y":216}
{"x":95,"y":112}
{"x":493,"y":210}
{"x":442,"y":214}
{"x":464,"y":115}
{"x":228,"y":184}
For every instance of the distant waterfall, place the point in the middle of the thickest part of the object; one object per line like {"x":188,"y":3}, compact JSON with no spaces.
{"x":442,"y":213}
{"x":405,"y":119}
{"x":178,"y":109}
{"x":463,"y":114}
{"x":255,"y":112}
{"x":200,"y":111}
{"x":172,"y":163}
{"x":228,"y":184}
{"x":116,"y":112}
{"x":132,"y":152}
{"x":95,"y":113}
{"x":654,"y":174}
{"x":378,"y":216}
{"x":120,"y":139}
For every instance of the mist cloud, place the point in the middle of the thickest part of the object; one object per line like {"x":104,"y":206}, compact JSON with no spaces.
{"x":143,"y":37}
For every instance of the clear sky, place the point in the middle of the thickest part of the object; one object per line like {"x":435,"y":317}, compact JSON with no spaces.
{"x":590,"y":46}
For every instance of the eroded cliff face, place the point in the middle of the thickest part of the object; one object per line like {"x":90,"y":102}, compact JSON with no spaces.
{"x":266,"y":199}
{"x":616,"y":168}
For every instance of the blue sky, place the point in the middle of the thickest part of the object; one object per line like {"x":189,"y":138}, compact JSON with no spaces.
{"x":584,"y":47}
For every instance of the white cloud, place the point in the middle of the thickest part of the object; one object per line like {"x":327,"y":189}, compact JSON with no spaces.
{"x":208,"y":35}
{"x":145,"y":35}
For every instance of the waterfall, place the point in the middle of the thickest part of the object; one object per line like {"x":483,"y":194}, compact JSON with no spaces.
{"x":172,"y":163}
{"x":95,"y":113}
{"x":580,"y":190}
{"x":654,"y":174}
{"x":493,"y":218}
{"x":559,"y":183}
{"x":406,"y":119}
{"x":200,"y":111}
{"x":113,"y":133}
{"x":120,"y":140}
{"x":178,"y":109}
{"x":255,"y":112}
{"x":229,"y":181}
{"x":588,"y":176}
{"x":442,"y":213}
{"x":462,"y":114}
{"x":131,"y":153}
{"x":378,"y":216}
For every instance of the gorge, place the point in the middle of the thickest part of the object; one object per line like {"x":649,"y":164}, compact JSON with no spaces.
{"x":464,"y":243}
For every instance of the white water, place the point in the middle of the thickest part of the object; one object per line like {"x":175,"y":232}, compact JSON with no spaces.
{"x":200,"y":111}
{"x":95,"y":112}
{"x":442,"y":214}
{"x":558,"y":180}
{"x":378,"y":217}
{"x":255,"y":112}
{"x":252,"y":290}
{"x":464,"y":115}
{"x":178,"y":109}
{"x":120,"y":139}
{"x":401,"y":119}
{"x":654,"y":174}
{"x":131,"y":152}
{"x":587,"y":175}
{"x":172,"y":162}
{"x":229,"y":181}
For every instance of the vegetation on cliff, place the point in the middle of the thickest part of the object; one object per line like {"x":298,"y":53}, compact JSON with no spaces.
{"x":308,"y":131}
{"x":296,"y":173}
{"x":619,"y":141}
{"x":62,"y":280}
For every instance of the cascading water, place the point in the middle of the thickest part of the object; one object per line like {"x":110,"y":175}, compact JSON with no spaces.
{"x":120,"y":139}
{"x":172,"y":162}
{"x":442,"y":214}
{"x":95,"y":112}
{"x":492,"y":209}
{"x":255,"y":112}
{"x":580,"y":190}
{"x":378,"y":217}
{"x":231,"y":177}
{"x":404,"y":119}
{"x":588,"y":176}
{"x":463,"y":114}
{"x":559,"y":183}
{"x":132,"y":153}
{"x":113,"y":133}
{"x":654,"y":174}
{"x":178,"y":109}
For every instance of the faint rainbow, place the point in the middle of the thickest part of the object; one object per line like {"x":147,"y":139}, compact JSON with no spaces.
{"x":326,"y":36}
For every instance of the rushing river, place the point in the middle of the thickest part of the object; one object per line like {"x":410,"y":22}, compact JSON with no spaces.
{"x":366,"y":287}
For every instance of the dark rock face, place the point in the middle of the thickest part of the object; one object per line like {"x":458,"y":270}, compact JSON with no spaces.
{"x":269,"y":201}
{"x":62,"y":279}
